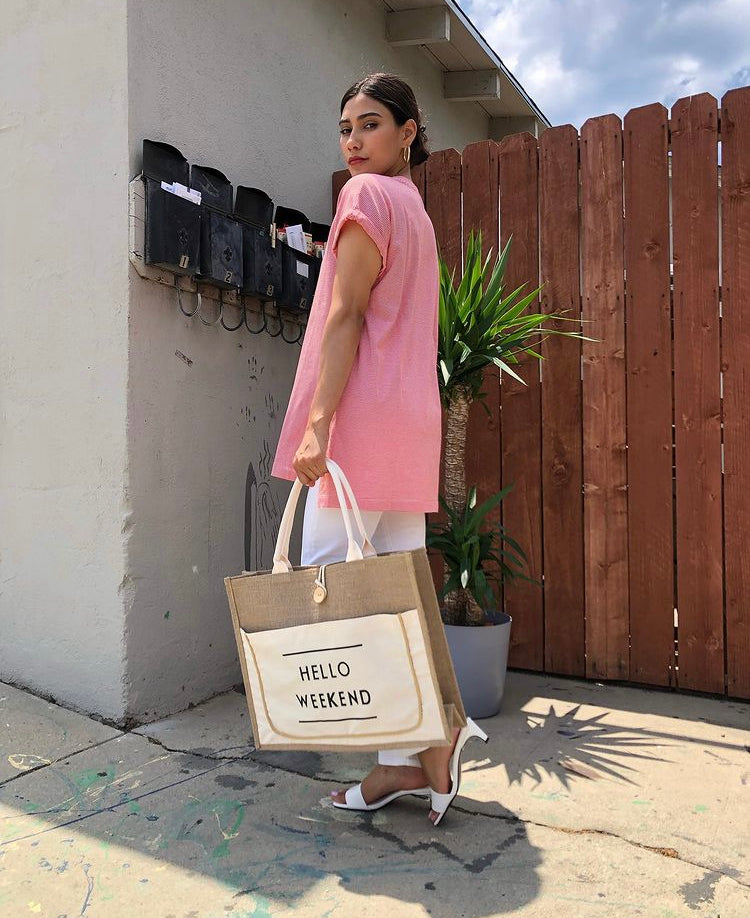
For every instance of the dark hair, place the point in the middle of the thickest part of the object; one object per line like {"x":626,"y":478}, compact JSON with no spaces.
{"x":398,"y":97}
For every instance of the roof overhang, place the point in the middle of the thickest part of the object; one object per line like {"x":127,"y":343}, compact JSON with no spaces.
{"x":472,"y":71}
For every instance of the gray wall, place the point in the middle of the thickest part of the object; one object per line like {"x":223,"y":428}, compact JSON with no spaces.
{"x":123,"y":466}
{"x":63,"y":349}
{"x":253,"y":90}
{"x":253,"y":87}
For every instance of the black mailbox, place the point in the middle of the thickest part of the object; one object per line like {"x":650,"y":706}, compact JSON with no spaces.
{"x":172,"y":232}
{"x":299,"y":270}
{"x":299,"y":278}
{"x":261,"y":259}
{"x":221,"y":235}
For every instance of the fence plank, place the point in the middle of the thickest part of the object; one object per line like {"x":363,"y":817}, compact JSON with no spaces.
{"x":521,"y":409}
{"x":562,"y":472}
{"x":619,"y":527}
{"x":735,"y":333}
{"x":441,"y":192}
{"x":443,"y":203}
{"x":697,"y":397}
{"x":479,"y":162}
{"x":604,"y":466}
{"x":649,"y":395}
{"x":419,"y":177}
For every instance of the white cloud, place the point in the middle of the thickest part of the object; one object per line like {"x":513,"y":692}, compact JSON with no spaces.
{"x":578,"y":58}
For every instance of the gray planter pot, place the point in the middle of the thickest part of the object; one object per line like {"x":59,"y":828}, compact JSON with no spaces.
{"x":480,"y":658}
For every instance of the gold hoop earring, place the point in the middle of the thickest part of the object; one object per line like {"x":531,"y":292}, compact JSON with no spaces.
{"x":406,"y":153}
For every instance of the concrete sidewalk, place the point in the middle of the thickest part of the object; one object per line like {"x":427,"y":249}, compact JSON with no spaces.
{"x":589,"y":800}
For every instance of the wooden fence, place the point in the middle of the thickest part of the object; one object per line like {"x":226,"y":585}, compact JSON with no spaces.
{"x":629,"y":455}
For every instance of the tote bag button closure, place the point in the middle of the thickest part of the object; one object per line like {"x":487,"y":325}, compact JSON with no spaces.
{"x":320,"y":592}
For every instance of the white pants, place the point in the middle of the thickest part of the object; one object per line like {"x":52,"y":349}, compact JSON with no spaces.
{"x":324,"y":542}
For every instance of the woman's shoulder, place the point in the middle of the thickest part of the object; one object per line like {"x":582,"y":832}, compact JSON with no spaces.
{"x":375,"y":183}
{"x":369,"y":178}
{"x":369,"y":192}
{"x":389,"y":194}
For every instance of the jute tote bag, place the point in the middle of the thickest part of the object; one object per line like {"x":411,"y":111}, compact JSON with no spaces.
{"x":344,"y":656}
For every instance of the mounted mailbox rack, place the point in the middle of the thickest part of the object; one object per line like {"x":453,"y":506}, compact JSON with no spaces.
{"x":188,"y":231}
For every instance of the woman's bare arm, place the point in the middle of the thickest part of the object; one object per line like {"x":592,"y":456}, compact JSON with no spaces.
{"x":357,"y":266}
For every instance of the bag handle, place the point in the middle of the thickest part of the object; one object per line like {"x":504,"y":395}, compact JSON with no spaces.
{"x":368,"y":550}
{"x":354,"y":552}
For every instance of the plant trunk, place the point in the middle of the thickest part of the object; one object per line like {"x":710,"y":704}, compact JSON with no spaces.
{"x":455,"y":448}
{"x":459,"y":606}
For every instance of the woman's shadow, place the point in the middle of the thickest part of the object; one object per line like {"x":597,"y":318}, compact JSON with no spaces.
{"x":474,"y":864}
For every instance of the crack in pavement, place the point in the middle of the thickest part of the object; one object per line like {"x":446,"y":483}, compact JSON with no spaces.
{"x":62,"y":758}
{"x":655,"y":849}
{"x":112,"y":806}
{"x":202,"y":755}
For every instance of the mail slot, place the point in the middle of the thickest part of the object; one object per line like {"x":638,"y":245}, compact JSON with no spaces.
{"x":299,"y":270}
{"x":261,"y":258}
{"x":221,"y":234}
{"x":173,"y":223}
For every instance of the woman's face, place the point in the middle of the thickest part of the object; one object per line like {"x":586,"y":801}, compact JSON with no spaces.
{"x":369,"y":133}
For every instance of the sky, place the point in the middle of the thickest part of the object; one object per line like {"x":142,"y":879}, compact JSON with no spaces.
{"x":582,"y":58}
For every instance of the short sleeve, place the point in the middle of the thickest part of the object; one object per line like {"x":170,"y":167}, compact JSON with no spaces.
{"x":363,"y":200}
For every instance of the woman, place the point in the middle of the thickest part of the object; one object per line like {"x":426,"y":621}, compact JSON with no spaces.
{"x":366,"y":388}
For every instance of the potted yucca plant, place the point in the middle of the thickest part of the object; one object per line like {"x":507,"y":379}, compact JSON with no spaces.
{"x":479,"y":325}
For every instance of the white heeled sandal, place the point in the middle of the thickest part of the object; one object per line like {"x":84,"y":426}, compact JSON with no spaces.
{"x":441,"y":802}
{"x":355,"y":800}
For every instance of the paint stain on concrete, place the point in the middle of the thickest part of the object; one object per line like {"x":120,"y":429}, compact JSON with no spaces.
{"x":27,"y":761}
{"x":699,"y":892}
{"x":229,"y":808}
{"x":550,"y":795}
{"x":235,"y":782}
{"x":89,"y":777}
{"x":89,"y":889}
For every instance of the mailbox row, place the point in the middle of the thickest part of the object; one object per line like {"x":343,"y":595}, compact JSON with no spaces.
{"x":230,"y":244}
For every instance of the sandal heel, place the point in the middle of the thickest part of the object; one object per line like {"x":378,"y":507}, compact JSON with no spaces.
{"x":476,"y":730}
{"x":440,"y":802}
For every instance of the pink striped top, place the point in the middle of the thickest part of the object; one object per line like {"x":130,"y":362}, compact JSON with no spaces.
{"x":386,"y":432}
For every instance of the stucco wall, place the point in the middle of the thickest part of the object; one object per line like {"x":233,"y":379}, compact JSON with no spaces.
{"x":127,"y":431}
{"x":63,"y":349}
{"x":252,"y":88}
